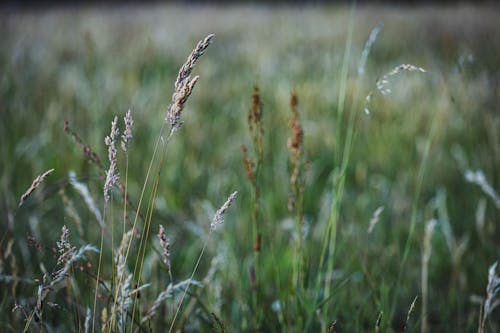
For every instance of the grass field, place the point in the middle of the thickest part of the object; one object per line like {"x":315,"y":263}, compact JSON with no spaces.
{"x":344,"y":221}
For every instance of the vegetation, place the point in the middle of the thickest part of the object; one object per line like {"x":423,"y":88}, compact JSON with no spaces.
{"x":325,"y":172}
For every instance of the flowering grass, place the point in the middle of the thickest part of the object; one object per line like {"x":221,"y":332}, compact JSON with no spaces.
{"x":330,"y":228}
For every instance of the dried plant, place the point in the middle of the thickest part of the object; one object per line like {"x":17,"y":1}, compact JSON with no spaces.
{"x":218,"y":218}
{"x":255,"y":121}
{"x":122,"y":285}
{"x":112,"y":176}
{"x":96,"y":160}
{"x":120,"y":257}
{"x":382,"y":83}
{"x":36,"y":182}
{"x":249,"y":165}
{"x":184,"y":85}
{"x":296,"y":148}
{"x":45,"y":288}
{"x":64,"y":248}
{"x":252,"y":163}
{"x":295,"y":202}
{"x":165,"y":245}
{"x":127,"y":133}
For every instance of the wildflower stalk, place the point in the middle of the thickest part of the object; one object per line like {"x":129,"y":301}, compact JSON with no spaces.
{"x":253,"y":169}
{"x":296,"y":195}
{"x":36,"y":182}
{"x":126,"y":138}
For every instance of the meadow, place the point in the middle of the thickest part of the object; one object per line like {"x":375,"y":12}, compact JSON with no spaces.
{"x":363,"y":144}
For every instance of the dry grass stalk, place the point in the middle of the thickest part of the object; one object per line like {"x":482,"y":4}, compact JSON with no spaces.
{"x":112,"y":176}
{"x":121,"y":286}
{"x":256,"y":131}
{"x":36,"y":182}
{"x":184,"y":85}
{"x":165,"y":245}
{"x":127,"y":133}
{"x":120,"y":256}
{"x":253,"y":166}
{"x":64,"y":248}
{"x":45,"y":288}
{"x":382,"y":84}
{"x":218,"y":218}
{"x":95,"y":159}
{"x":296,"y":147}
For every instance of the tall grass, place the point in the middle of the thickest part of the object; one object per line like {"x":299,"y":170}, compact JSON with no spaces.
{"x":329,"y":230}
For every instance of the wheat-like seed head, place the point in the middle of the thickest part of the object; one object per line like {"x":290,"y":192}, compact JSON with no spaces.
{"x":112,"y":176}
{"x":165,"y":245}
{"x":219,"y":214}
{"x":127,"y":133}
{"x":36,"y":182}
{"x":184,"y":85}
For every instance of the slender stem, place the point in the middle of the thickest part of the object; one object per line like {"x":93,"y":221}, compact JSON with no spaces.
{"x":98,"y":272}
{"x":189,"y":282}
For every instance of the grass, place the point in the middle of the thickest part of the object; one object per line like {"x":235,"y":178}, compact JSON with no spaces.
{"x":294,"y":253}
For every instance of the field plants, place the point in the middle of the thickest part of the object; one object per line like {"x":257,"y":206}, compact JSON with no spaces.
{"x":309,"y":170}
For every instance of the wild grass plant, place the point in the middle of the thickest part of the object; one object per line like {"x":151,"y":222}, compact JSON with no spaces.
{"x":367,"y":188}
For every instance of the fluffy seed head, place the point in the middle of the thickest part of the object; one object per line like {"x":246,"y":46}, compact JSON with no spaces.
{"x":184,"y":85}
{"x":112,"y":177}
{"x":127,"y":133}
